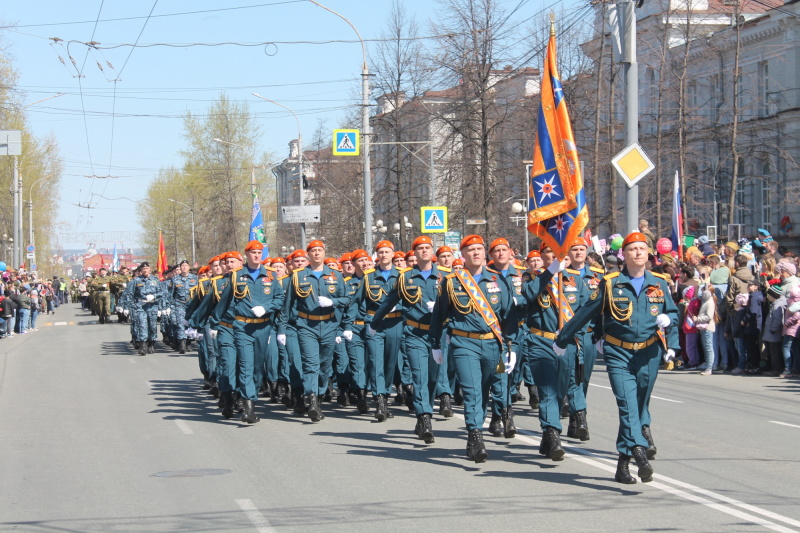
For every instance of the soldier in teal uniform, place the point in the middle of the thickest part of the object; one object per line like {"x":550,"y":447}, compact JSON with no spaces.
{"x":178,"y":291}
{"x":354,"y":334}
{"x":417,"y":289}
{"x":288,"y":343}
{"x":249,"y":302}
{"x":638,"y":320}
{"x":476,"y":303}
{"x":312,"y":300}
{"x":535,"y":266}
{"x":446,"y":372}
{"x":383,"y":346}
{"x":550,"y":372}
{"x":196,"y":295}
{"x":145,"y":298}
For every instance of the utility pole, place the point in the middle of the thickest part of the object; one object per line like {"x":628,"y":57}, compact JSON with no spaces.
{"x":626,"y":12}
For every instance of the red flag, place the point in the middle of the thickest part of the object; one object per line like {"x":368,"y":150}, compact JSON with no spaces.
{"x":161,"y":264}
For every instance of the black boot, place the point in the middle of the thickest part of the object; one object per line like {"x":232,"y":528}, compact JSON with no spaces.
{"x":533,"y":392}
{"x":544,"y":445}
{"x":206,"y":382}
{"x":142,"y":347}
{"x":151,"y":346}
{"x":282,"y":393}
{"x":386,"y":410}
{"x":565,"y":407}
{"x":651,"y":446}
{"x":496,"y":426}
{"x":299,"y":404}
{"x":328,"y":397}
{"x":645,"y":470}
{"x":418,"y":427}
{"x":572,"y":431}
{"x":555,"y":451}
{"x":380,"y":408}
{"x":342,"y":398}
{"x":425,"y":428}
{"x":581,"y":425}
{"x":182,"y":346}
{"x":361,"y":401}
{"x":238,"y":403}
{"x":408,"y":392}
{"x":227,"y":405}
{"x":214,"y":390}
{"x":509,"y":429}
{"x":445,"y":406}
{"x":477,"y":452}
{"x":274,"y":396}
{"x":249,"y":415}
{"x":458,"y":398}
{"x":314,"y":411}
{"x":518,"y":396}
{"x":623,"y":475}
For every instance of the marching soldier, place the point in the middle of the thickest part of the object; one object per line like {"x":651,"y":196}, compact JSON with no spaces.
{"x":639,"y":319}
{"x":178,"y":293}
{"x":145,"y":298}
{"x":354,"y":332}
{"x":102,"y":288}
{"x":476,"y":303}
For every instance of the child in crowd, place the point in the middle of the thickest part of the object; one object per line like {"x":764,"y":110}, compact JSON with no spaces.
{"x":773,"y":329}
{"x":791,"y":322}
{"x":737,"y":330}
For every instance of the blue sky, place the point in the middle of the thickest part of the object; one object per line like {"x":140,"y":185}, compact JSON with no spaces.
{"x":137,"y":130}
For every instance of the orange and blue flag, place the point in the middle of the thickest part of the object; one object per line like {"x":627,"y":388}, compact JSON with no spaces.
{"x":557,"y":212}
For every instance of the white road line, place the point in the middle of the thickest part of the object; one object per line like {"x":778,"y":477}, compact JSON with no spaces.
{"x":255,"y":516}
{"x":591,"y":459}
{"x":59,"y":323}
{"x":783,"y":424}
{"x":656,"y":397}
{"x":184,"y":427}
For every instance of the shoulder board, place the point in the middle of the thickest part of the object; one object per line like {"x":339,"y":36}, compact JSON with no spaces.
{"x":402,"y":270}
{"x":519,"y":266}
{"x":237,"y":270}
{"x":570,"y":271}
{"x":334,"y":268}
{"x":348,"y":278}
{"x":451,"y":275}
{"x":611,"y":276}
{"x":217,"y":277}
{"x":284,"y":277}
{"x":493,"y":271}
{"x":599,"y":270}
{"x":444,"y":269}
{"x":369,"y":271}
{"x":270,"y":269}
{"x":662,"y":276}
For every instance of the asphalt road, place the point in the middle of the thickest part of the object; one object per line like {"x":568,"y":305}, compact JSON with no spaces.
{"x":94,"y":438}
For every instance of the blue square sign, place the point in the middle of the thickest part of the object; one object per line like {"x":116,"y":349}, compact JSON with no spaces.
{"x":433,"y":219}
{"x":346,"y":142}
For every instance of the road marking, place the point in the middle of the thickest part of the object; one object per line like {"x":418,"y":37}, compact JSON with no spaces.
{"x":597,"y":461}
{"x":255,"y":516}
{"x":656,"y":397}
{"x":184,"y":427}
{"x":59,"y":323}
{"x":783,"y":424}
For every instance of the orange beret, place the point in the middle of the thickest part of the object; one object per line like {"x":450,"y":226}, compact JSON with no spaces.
{"x":315,"y":244}
{"x":329,"y":260}
{"x":634,"y":237}
{"x":203,"y":269}
{"x":422,"y":239}
{"x":444,"y":250}
{"x":544,"y":246}
{"x":297,"y":253}
{"x":214,"y":259}
{"x":534,"y":253}
{"x":471,"y":239}
{"x":458,"y":262}
{"x":347,"y":256}
{"x":278,"y":260}
{"x":498,"y":242}
{"x":384,"y":244}
{"x":266,"y":261}
{"x":233,"y":255}
{"x":409,"y":253}
{"x":358,"y":254}
{"x":399,"y":255}
{"x":577,"y":241}
{"x":253,"y":245}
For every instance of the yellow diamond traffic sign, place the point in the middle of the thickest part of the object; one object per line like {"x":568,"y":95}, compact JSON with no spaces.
{"x":632,"y":164}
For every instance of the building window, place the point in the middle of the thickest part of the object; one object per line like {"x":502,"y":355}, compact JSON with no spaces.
{"x":763,"y":88}
{"x":715,"y":97}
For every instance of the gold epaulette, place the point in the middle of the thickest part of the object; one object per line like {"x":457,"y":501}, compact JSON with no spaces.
{"x":451,"y":275}
{"x":662,"y":276}
{"x":571,"y":271}
{"x":269,"y":268}
{"x":283,"y":277}
{"x":403,"y":270}
{"x":369,"y":271}
{"x":519,"y":266}
{"x":597,"y":269}
{"x":348,"y":278}
{"x":611,"y":276}
{"x":215,"y":278}
{"x":444,"y":269}
{"x":493,"y":271}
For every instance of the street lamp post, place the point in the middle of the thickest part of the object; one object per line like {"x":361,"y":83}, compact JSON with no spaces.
{"x":364,"y":131}
{"x":299,"y":164}
{"x":191,"y":211}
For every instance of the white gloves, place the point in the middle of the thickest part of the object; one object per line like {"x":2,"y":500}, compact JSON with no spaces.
{"x":149,"y":298}
{"x":556,"y":267}
{"x":126,"y":312}
{"x":118,"y":309}
{"x":158,"y":313}
{"x":370,"y":331}
{"x":430,"y":306}
{"x":669,"y":355}
{"x":510,"y":362}
{"x":324,"y":301}
{"x":258,"y":311}
{"x":348,"y":335}
{"x":281,"y":339}
{"x":191,"y":333}
{"x":437,"y":356}
{"x":166,"y":311}
{"x":662,"y":321}
{"x":338,"y":340}
{"x":214,"y":333}
{"x":599,"y":347}
{"x":558,"y":350}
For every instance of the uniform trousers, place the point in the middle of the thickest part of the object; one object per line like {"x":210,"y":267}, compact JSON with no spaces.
{"x":423,"y":368}
{"x":551,"y":373}
{"x":475,"y":361}
{"x":446,"y":372}
{"x":356,"y":355}
{"x":210,"y":353}
{"x":251,"y":356}
{"x":577,"y":393}
{"x":382,"y":351}
{"x":226,"y":359}
{"x":145,"y":321}
{"x":317,"y":339}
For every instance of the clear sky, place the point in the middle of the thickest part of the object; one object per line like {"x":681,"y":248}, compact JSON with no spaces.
{"x":132,"y":128}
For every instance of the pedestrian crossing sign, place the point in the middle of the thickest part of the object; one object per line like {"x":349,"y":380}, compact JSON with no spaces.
{"x":346,"y":142}
{"x":433,"y":219}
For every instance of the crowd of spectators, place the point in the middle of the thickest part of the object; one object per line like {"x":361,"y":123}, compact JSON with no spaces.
{"x":23,"y":297}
